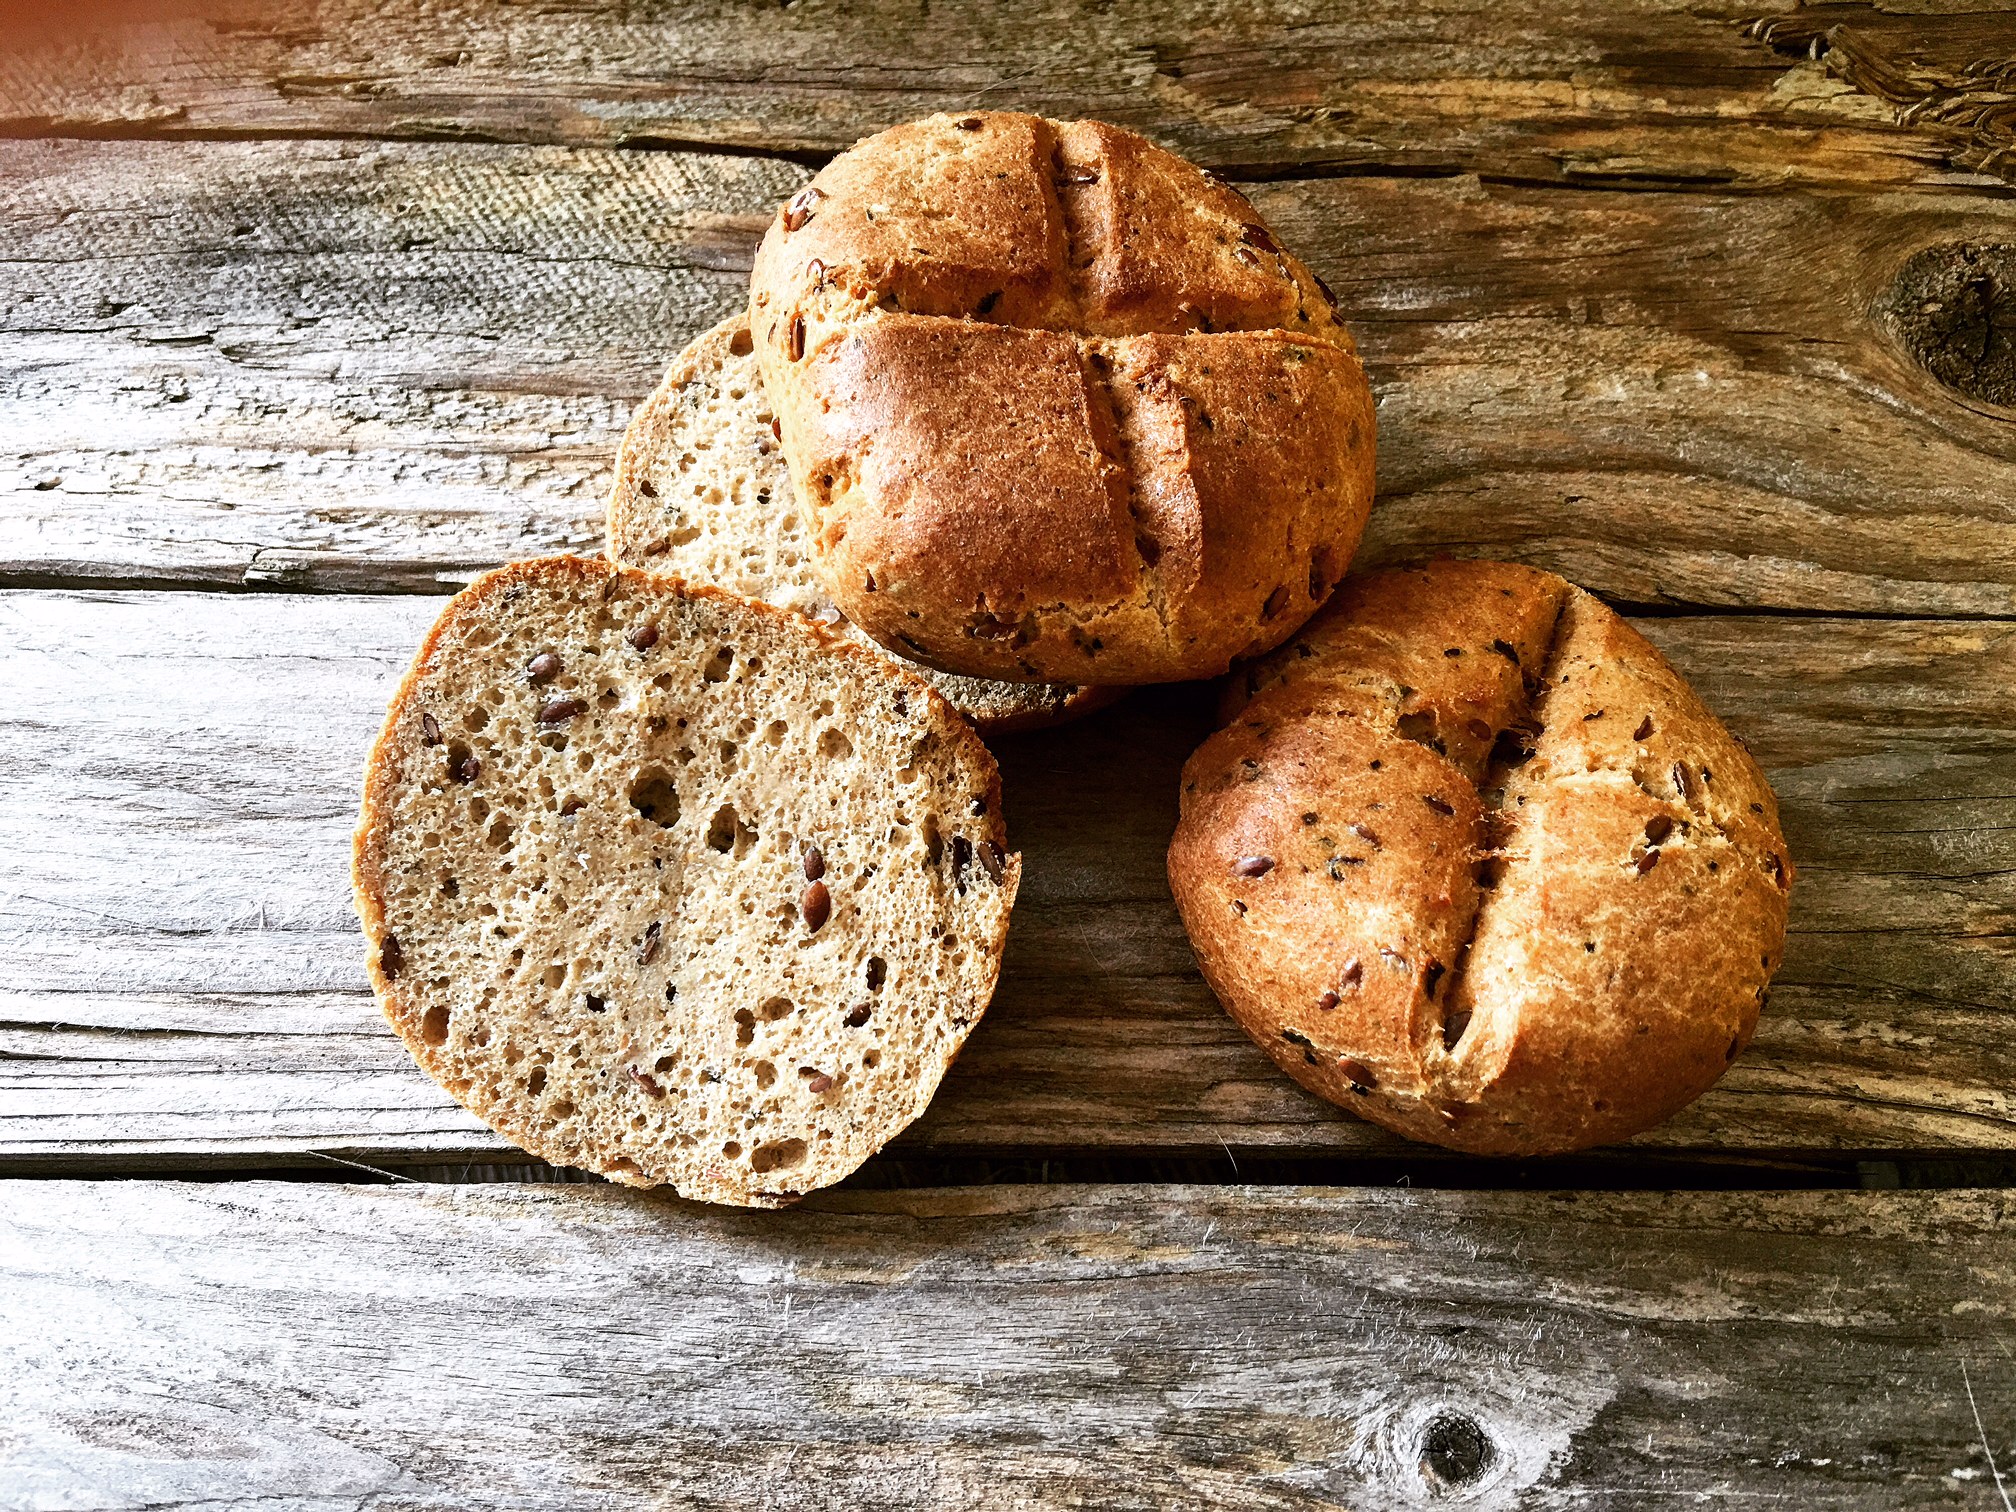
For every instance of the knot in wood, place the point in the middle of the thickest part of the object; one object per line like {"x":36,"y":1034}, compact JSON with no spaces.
{"x":1455,"y":1451}
{"x":1954,"y":308}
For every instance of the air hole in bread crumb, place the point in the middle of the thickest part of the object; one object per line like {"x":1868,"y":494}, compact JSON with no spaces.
{"x":434,"y":1026}
{"x":536,"y":1082}
{"x":871,"y":1059}
{"x":1421,"y":729}
{"x":778,"y":1155}
{"x":727,"y":832}
{"x":732,"y":1150}
{"x":476,"y":718}
{"x":878,"y":973}
{"x":653,"y":795}
{"x":500,"y":834}
{"x":556,"y":976}
{"x":775,"y":1008}
{"x":766,"y":1075}
{"x":718,"y":664}
{"x":833,"y":744}
{"x":745,"y":1028}
{"x":774,"y":733}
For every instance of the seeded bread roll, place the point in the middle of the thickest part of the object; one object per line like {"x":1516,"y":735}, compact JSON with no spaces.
{"x":676,"y":887}
{"x":1474,"y":862}
{"x":702,"y":493}
{"x":1057,"y":405}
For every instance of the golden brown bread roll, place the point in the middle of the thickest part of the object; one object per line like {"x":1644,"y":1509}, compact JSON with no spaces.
{"x":1057,"y":405}
{"x":1474,"y":862}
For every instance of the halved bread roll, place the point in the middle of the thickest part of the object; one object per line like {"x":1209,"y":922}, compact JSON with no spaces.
{"x":676,"y":887}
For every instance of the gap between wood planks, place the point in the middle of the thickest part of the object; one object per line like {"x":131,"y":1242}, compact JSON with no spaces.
{"x":441,"y":586}
{"x":902,"y":1170}
{"x":1651,"y":181}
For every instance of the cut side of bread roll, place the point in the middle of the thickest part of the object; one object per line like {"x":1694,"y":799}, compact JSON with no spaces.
{"x":1474,"y":862}
{"x":676,"y":887}
{"x":702,"y":493}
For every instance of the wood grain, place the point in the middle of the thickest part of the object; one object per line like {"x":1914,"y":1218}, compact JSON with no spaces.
{"x":1948,"y":70}
{"x":181,"y":980}
{"x":368,"y":367}
{"x":1588,"y":91}
{"x":1146,"y":1347}
{"x":340,"y":365}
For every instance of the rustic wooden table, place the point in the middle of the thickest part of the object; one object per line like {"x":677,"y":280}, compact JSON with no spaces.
{"x":307,"y":313}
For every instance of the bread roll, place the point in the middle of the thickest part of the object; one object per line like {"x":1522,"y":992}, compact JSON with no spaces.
{"x":702,"y":493}
{"x":675,"y":887}
{"x":1057,"y":404}
{"x":1475,"y":863}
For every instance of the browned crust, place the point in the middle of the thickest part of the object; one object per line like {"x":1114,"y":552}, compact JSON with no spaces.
{"x":385,"y":768}
{"x":1458,"y":941}
{"x":1081,"y":702}
{"x":1057,"y":404}
{"x":995,"y":707}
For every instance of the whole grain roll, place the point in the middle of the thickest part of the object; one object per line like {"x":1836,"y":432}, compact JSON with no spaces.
{"x":1057,"y":404}
{"x":1474,"y":862}
{"x":676,"y":887}
{"x":702,"y":493}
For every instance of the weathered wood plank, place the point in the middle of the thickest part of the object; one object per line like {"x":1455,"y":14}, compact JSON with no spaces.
{"x":221,"y":363}
{"x":1146,"y":1347}
{"x":180,"y":978}
{"x":364,"y":367}
{"x":1603,"y":91}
